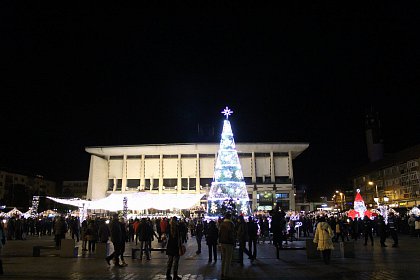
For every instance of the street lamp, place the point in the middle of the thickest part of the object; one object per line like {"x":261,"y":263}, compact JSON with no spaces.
{"x":370,"y":183}
{"x":342,"y":201}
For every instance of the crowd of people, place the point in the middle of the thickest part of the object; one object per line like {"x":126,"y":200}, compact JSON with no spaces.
{"x":233,"y":235}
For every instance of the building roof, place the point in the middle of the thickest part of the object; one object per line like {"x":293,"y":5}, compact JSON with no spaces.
{"x":187,"y":148}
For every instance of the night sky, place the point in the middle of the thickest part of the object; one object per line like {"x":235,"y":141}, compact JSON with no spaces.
{"x":78,"y":75}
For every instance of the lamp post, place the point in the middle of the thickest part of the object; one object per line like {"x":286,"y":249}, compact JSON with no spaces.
{"x":370,"y":183}
{"x":342,"y":201}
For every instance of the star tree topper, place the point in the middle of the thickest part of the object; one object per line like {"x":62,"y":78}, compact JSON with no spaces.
{"x":227,"y":112}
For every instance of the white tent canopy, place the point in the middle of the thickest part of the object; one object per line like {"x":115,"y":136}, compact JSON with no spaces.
{"x":13,"y":212}
{"x":136,"y":201}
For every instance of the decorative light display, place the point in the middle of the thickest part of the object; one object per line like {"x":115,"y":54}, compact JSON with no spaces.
{"x":35,"y":204}
{"x":359,"y":205}
{"x":415,"y":211}
{"x":125,"y":207}
{"x":228,"y":188}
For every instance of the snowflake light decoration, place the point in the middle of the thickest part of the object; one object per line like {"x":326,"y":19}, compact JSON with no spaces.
{"x":227,"y":112}
{"x":213,"y":208}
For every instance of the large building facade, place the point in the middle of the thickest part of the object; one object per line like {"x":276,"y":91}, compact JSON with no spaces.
{"x":17,"y":189}
{"x":188,"y":168}
{"x":396,"y":177}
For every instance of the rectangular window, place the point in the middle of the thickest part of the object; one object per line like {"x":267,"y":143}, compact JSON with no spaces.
{"x":248,"y":180}
{"x":152,"y":156}
{"x":119,"y":184}
{"x":170,"y":183}
{"x":207,"y":155}
{"x":184,"y":184}
{"x":110,"y":184}
{"x":282,"y":195}
{"x":283,"y":180}
{"x":188,"y":156}
{"x":262,"y":155}
{"x":285,"y":154}
{"x":116,"y":157}
{"x":147,"y":183}
{"x":206,"y":182}
{"x":170,"y":156}
{"x":244,"y":155}
{"x":259,"y":180}
{"x":192,"y":184}
{"x":133,"y":183}
{"x":133,"y":157}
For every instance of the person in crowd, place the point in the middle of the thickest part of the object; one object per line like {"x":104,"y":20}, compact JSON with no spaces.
{"x":145,"y":233}
{"x":60,"y":229}
{"x":292,"y":230}
{"x":104,"y":232}
{"x":199,"y":233}
{"x":83,"y":235}
{"x":116,"y":239}
{"x":75,"y":228}
{"x":264,"y":230}
{"x":136,"y":225}
{"x":381,"y":230}
{"x":242,"y":238}
{"x":158,"y":230}
{"x":130,"y":237}
{"x":172,"y":250}
{"x":150,"y":235}
{"x":278,"y":228}
{"x":411,"y":224}
{"x":417,"y":227}
{"x":252,"y":237}
{"x":227,"y":241}
{"x":392,"y":226}
{"x":124,"y":237}
{"x":2,"y":243}
{"x":323,"y":238}
{"x":92,"y":235}
{"x":212,"y":236}
{"x":367,"y":230}
{"x":183,"y":230}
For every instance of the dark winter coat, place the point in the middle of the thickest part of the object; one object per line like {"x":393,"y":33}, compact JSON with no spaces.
{"x":212,"y":235}
{"x":227,"y":232}
{"x":172,"y":249}
{"x":116,"y":234}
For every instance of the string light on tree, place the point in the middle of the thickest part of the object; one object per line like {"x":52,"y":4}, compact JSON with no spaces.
{"x":228,"y":189}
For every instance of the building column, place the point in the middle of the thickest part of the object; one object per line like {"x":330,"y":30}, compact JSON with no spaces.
{"x":124,"y":174}
{"x":272,"y":168}
{"x":197,"y":178}
{"x":160,"y":182}
{"x":142,"y":179}
{"x":179,"y":173}
{"x":253,"y":171}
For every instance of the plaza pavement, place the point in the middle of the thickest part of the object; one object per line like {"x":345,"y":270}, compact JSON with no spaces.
{"x":369,"y":263}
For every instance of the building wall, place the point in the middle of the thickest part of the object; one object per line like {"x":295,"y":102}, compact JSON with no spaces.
{"x":399,"y":180}
{"x":174,"y":169}
{"x":17,"y":189}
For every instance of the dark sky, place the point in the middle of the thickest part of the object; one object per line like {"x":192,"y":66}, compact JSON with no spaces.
{"x":78,"y":75}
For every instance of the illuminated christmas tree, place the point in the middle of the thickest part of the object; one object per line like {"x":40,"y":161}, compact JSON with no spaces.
{"x":228,"y":190}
